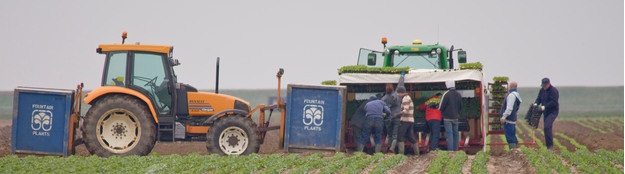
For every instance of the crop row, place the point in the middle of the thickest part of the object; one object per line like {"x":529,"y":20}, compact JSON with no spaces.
{"x":194,"y":163}
{"x":542,"y":159}
{"x":584,"y":160}
{"x":584,"y":123}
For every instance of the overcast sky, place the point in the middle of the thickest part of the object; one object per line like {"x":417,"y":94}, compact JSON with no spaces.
{"x":52,"y":43}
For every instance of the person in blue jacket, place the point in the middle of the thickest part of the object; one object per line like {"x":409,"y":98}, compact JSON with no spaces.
{"x":548,"y":101}
{"x":509,"y":115}
{"x":374,"y":115}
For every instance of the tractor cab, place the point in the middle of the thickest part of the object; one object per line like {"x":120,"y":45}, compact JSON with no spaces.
{"x":415,"y":56}
{"x":147,"y":69}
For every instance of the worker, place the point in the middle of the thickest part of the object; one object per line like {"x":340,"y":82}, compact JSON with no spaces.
{"x":450,"y":106}
{"x":357,"y":122}
{"x":508,"y":114}
{"x":547,"y":101}
{"x":406,"y":127}
{"x":392,"y":121}
{"x":433,"y":117}
{"x":374,"y":111}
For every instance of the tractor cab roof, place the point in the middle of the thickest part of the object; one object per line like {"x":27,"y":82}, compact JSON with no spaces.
{"x":104,"y":48}
{"x":416,"y":48}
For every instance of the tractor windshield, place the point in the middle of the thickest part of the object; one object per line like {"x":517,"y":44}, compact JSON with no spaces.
{"x":416,"y":60}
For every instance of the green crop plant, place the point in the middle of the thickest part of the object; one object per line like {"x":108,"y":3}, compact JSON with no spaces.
{"x":499,"y":79}
{"x":329,"y":82}
{"x":313,"y":163}
{"x":335,"y":167}
{"x":438,"y":164}
{"x":455,"y":164}
{"x":479,"y":163}
{"x":472,"y":65}
{"x":615,"y":157}
{"x":372,"y":70}
{"x":363,"y":163}
{"x":388,"y":163}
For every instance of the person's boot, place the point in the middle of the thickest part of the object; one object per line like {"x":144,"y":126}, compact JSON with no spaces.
{"x":360,"y":147}
{"x":378,"y":148}
{"x":392,"y":147}
{"x":401,"y":147}
{"x":415,"y":147}
{"x":512,"y":146}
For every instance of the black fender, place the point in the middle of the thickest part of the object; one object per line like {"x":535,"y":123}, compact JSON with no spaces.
{"x":211,"y":120}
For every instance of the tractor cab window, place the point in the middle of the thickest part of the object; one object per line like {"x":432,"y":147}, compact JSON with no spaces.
{"x":419,"y":60}
{"x":115,"y":69}
{"x":150,"y":74}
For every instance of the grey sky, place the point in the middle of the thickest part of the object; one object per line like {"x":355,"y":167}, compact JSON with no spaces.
{"x":52,"y":44}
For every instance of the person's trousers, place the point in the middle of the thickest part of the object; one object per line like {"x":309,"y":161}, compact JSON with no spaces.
{"x":392,"y":128}
{"x":375,"y":126}
{"x":435,"y":132}
{"x":510,"y":132}
{"x":548,"y":126}
{"x":406,"y":131}
{"x":451,"y":128}
{"x":356,"y":133}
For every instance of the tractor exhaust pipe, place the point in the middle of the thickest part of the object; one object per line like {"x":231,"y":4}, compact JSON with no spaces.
{"x":217,"y":77}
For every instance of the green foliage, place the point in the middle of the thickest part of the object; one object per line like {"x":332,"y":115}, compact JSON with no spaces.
{"x":455,"y":165}
{"x":372,"y":70}
{"x":472,"y":65}
{"x":194,"y":163}
{"x":329,"y":82}
{"x":434,"y":101}
{"x":501,"y":79}
{"x":438,"y":164}
{"x":389,"y":163}
{"x":479,"y":163}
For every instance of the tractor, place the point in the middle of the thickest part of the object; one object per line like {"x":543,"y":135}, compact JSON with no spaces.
{"x":140,"y":102}
{"x":426,"y":68}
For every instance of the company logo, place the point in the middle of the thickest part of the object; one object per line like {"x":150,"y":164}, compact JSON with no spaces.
{"x":313,"y":115}
{"x":41,"y":120}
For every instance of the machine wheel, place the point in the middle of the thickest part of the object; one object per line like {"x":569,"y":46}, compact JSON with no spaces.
{"x":119,"y":125}
{"x":233,"y":135}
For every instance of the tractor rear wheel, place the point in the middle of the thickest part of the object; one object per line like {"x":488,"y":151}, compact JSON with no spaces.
{"x":233,"y":135}
{"x":119,"y":125}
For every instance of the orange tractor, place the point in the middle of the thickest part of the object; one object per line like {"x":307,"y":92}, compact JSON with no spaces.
{"x":141,"y":102}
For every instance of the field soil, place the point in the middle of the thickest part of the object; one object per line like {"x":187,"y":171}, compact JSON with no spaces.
{"x":500,"y":160}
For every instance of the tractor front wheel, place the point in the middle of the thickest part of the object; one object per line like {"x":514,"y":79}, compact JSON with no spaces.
{"x":233,"y":135}
{"x":119,"y":125}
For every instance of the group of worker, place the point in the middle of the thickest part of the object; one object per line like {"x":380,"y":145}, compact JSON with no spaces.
{"x":394,"y":112}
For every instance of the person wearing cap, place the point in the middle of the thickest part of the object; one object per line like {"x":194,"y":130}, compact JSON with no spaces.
{"x":433,"y":117}
{"x":547,"y":100}
{"x":391,"y":123}
{"x":374,"y":111}
{"x":406,"y":126}
{"x":357,"y":122}
{"x":509,"y":115}
{"x":450,"y":106}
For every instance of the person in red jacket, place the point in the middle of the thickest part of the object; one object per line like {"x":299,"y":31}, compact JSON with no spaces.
{"x":433,"y":117}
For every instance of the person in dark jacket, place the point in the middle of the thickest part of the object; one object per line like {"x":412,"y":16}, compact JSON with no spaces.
{"x":548,"y":101}
{"x":374,"y":114}
{"x":508,"y":114}
{"x":450,"y":106}
{"x":433,"y":117}
{"x":392,"y":122}
{"x":357,"y":122}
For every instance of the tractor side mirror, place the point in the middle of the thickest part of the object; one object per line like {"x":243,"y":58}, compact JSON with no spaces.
{"x":462,"y":57}
{"x":371,"y":59}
